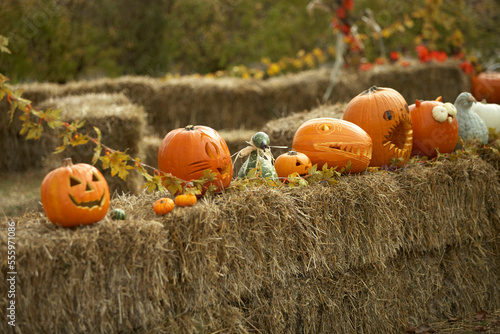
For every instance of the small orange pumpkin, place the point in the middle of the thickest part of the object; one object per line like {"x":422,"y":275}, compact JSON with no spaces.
{"x":163,"y":205}
{"x":383,"y":113}
{"x":74,"y":195}
{"x":486,"y":86}
{"x":434,"y":126}
{"x":188,"y":152}
{"x":292,"y":162}
{"x":334,"y":142}
{"x":185,"y":200}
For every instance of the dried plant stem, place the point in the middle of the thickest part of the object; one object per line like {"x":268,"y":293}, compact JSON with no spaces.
{"x":339,"y":61}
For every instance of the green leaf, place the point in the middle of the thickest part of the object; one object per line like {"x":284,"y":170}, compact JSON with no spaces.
{"x":59,"y":149}
{"x":35,"y":132}
{"x":52,"y":117}
{"x":98,"y":147}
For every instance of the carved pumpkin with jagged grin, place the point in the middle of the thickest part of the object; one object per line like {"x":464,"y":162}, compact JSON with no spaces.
{"x":188,"y":152}
{"x":334,"y":142}
{"x":383,"y":113}
{"x":75,"y":195}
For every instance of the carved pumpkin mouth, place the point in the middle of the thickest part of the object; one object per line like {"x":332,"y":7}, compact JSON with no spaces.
{"x":201,"y":166}
{"x":400,"y":138}
{"x":88,"y":205}
{"x":352,"y":150}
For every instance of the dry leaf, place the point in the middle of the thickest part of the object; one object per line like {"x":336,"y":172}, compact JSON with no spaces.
{"x":481,"y":315}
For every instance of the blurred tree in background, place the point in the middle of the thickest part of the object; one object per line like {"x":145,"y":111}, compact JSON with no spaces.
{"x":62,"y":40}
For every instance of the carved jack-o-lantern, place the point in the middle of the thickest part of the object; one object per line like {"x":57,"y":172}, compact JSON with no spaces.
{"x":334,"y":142}
{"x":383,"y":113}
{"x":187,"y":152}
{"x":292,"y":162}
{"x":75,"y":195}
{"x":434,"y":126}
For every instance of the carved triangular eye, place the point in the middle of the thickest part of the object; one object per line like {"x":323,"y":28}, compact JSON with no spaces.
{"x":95,"y":178}
{"x":73,"y":181}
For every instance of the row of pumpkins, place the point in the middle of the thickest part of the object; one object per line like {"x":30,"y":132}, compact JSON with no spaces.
{"x":378,"y":127}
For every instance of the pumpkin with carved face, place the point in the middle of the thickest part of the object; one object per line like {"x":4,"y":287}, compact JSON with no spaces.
{"x":383,"y":113}
{"x":292,"y":162}
{"x":434,"y":127}
{"x":188,"y":152}
{"x":334,"y":142}
{"x":75,"y":195}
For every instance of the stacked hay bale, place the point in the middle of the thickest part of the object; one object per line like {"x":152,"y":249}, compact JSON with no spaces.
{"x":224,"y":103}
{"x":375,"y":253}
{"x":121,"y":122}
{"x":423,"y":81}
{"x":282,"y":130}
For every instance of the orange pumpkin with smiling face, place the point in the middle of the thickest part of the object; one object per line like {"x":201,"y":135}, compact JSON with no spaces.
{"x":434,"y":127}
{"x":383,"y":113}
{"x":188,"y":152}
{"x":75,"y":195}
{"x":334,"y":142}
{"x":292,"y":162}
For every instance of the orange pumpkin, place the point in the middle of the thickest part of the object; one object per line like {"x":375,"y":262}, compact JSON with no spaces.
{"x":185,"y":200}
{"x":292,"y":162}
{"x":434,"y":126}
{"x":163,"y":206}
{"x":486,"y":86}
{"x":383,"y":113}
{"x":334,"y":142}
{"x":74,"y":195}
{"x":188,"y":152}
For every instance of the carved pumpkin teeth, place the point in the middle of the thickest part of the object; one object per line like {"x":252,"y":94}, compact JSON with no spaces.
{"x":89,"y":205}
{"x":357,"y":149}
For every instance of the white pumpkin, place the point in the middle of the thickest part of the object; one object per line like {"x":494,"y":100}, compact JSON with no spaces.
{"x":489,"y":113}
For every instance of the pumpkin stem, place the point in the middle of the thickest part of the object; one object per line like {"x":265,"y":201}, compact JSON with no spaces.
{"x":439,"y":98}
{"x":292,"y":153}
{"x":372,"y":89}
{"x":418,"y":103}
{"x":190,"y":128}
{"x":67,"y":162}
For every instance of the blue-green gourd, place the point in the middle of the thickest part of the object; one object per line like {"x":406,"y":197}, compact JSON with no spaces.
{"x":259,"y":156}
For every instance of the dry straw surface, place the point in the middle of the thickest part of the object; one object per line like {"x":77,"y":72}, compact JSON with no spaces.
{"x":375,"y":253}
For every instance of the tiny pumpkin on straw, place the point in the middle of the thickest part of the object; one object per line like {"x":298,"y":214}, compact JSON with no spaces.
{"x":163,"y":206}
{"x":292,"y":162}
{"x":185,"y":200}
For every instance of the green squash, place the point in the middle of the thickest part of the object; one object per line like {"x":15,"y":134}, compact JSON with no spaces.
{"x":259,"y":158}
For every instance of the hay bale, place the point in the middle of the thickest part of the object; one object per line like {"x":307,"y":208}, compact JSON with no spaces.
{"x":375,"y":253}
{"x":422,"y":81}
{"x":224,"y":103}
{"x":296,"y":92}
{"x":121,"y":122}
{"x":234,"y":103}
{"x":231,"y":103}
{"x":18,"y":154}
{"x":282,"y":130}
